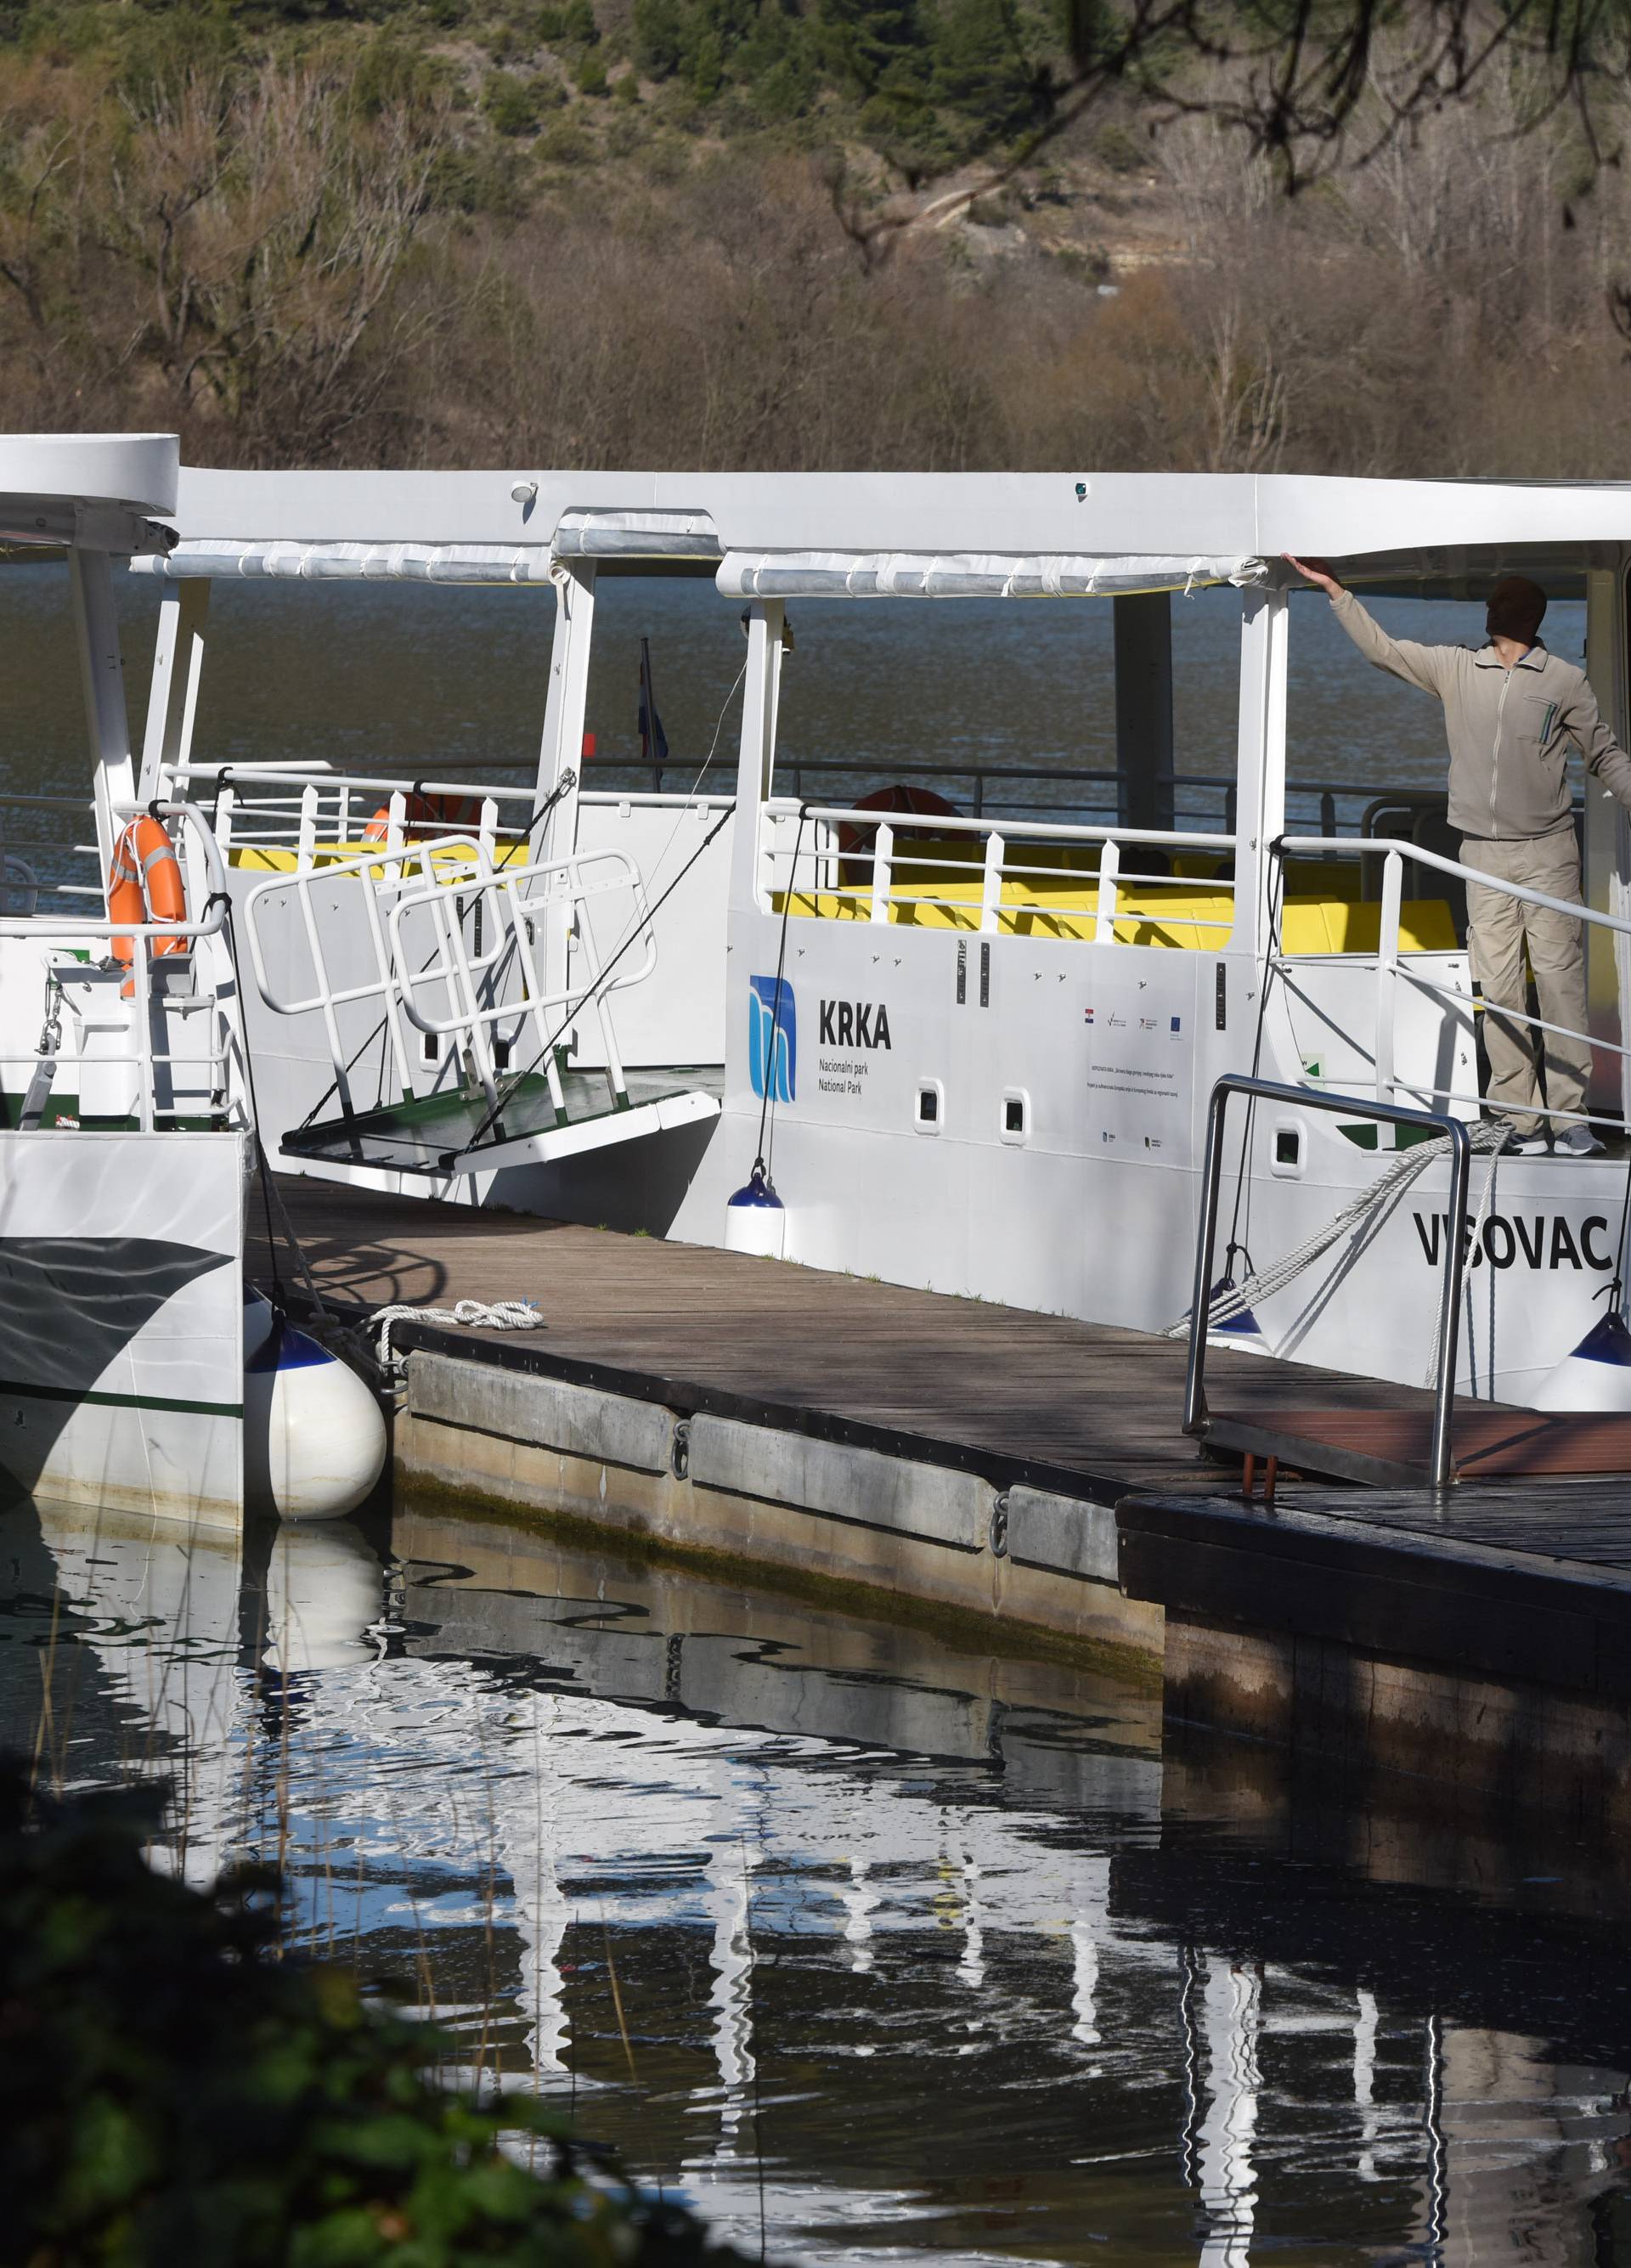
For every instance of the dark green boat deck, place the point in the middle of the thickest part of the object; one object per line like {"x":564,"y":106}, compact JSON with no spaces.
{"x":433,"y":1132}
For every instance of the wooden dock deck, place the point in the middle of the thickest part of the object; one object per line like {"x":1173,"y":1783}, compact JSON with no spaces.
{"x":1080,"y":1406}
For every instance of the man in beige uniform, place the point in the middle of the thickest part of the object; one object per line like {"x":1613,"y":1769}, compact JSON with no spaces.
{"x":1510,"y":710}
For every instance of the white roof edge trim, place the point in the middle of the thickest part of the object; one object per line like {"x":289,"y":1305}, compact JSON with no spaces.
{"x":638,"y":534}
{"x":956,"y":575}
{"x":352,"y":562}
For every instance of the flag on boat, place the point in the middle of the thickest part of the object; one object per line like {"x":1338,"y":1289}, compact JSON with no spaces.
{"x":653,"y":740}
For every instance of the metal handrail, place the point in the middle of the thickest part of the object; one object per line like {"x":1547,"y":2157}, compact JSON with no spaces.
{"x":1387,"y":1114}
{"x":1390,"y":968}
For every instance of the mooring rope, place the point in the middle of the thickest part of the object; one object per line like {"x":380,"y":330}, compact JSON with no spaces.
{"x":1264,"y":1283}
{"x":479,"y":1314}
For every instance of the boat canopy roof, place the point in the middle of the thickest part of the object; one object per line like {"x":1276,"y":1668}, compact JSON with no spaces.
{"x":103,"y":491}
{"x":889,"y":533}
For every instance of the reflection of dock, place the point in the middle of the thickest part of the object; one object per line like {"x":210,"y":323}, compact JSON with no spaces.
{"x":944,"y":1454}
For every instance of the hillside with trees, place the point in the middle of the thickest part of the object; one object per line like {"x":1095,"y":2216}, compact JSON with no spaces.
{"x":802,"y":233}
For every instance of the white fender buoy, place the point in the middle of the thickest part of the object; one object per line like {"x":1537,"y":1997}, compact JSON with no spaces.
{"x":1596,"y":1375}
{"x":313,"y":1435}
{"x":755,"y":1221}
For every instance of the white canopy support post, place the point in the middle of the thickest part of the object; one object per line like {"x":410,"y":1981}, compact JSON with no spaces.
{"x":1260,"y":806}
{"x":1387,"y":982}
{"x":756,"y":759}
{"x":96,"y":631}
{"x":1143,"y":639}
{"x":1606,"y":866}
{"x":173,"y":696}
{"x":562,"y":750}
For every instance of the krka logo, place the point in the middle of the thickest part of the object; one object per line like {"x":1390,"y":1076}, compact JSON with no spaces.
{"x":772,"y":1038}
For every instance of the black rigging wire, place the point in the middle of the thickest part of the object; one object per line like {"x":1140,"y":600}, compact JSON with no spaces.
{"x":767,"y":1098}
{"x":221,"y":898}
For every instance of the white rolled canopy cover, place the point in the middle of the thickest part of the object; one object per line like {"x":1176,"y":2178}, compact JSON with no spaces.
{"x":971,"y":575}
{"x":352,"y":563}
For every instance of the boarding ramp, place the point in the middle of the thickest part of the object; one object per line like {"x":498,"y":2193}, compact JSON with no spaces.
{"x":487,"y":962}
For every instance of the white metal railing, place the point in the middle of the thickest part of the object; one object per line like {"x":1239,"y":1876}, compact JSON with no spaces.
{"x":308,"y":809}
{"x":1396,"y":967}
{"x":446,"y":880}
{"x":152,"y":1002}
{"x":878,"y":847}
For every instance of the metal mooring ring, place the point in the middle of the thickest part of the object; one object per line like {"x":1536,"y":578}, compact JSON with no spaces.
{"x":999,"y":1528}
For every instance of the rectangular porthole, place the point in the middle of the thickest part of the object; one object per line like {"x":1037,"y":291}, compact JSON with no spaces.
{"x":1287,"y":1152}
{"x":430,"y":1048}
{"x":931,"y":1106}
{"x":501,"y":1055}
{"x":1015,"y":1124}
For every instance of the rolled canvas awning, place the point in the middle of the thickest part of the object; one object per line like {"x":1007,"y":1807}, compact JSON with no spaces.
{"x":637,"y":534}
{"x":970,"y":575}
{"x":352,"y":562}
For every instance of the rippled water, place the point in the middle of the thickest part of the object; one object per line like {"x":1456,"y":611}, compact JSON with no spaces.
{"x":877,"y":1945}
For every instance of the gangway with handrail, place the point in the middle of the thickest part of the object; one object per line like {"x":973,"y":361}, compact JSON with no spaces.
{"x":512,"y":943}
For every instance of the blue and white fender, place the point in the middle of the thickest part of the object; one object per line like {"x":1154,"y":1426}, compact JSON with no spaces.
{"x":313,"y":1435}
{"x":1596,"y":1375}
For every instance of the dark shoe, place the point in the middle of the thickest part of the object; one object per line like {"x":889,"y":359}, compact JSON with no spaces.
{"x":1578,"y":1142}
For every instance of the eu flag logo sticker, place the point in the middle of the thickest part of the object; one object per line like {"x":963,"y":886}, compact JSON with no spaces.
{"x":772,"y":1038}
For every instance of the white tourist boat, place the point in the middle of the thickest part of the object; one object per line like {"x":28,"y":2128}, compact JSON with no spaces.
{"x":975,"y":1053}
{"x":137,"y":1369}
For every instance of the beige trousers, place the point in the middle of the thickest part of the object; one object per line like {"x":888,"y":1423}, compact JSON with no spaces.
{"x":1498,"y":928}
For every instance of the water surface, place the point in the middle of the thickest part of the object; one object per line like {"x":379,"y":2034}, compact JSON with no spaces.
{"x":883,"y":1948}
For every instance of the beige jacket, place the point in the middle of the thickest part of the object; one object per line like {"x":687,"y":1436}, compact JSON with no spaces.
{"x":1509,"y":729}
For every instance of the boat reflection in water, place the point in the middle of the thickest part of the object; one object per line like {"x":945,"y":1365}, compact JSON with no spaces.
{"x":822,"y":1921}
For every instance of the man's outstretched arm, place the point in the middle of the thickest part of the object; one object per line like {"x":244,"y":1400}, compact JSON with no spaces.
{"x":1421,"y":665}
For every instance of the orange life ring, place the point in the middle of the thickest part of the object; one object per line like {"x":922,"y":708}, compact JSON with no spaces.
{"x":145,"y":884}
{"x":425,"y":816}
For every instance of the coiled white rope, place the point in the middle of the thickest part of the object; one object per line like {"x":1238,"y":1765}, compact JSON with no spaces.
{"x":1489,"y":1138}
{"x":481,"y":1315}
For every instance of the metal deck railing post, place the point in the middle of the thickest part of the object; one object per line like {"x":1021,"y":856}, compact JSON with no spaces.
{"x":1351,"y":1106}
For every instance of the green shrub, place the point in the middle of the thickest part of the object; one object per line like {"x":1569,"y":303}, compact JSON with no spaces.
{"x":171,"y":2098}
{"x":511,"y":104}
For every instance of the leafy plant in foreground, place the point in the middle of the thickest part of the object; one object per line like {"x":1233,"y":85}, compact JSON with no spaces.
{"x":169,"y":2094}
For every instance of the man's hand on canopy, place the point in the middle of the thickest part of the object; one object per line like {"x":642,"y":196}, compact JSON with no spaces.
{"x":1315,"y":571}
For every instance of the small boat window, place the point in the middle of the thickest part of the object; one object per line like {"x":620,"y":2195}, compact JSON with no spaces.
{"x":931,"y":1102}
{"x":1288,"y":1149}
{"x":1015,"y":1115}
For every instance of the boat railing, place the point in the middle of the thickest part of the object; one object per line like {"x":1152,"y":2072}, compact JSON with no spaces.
{"x":264,"y":803}
{"x":311,"y":812}
{"x":146,"y":1003}
{"x":485,"y":920}
{"x":879,"y":867}
{"x":45,"y":849}
{"x":1399,"y":967}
